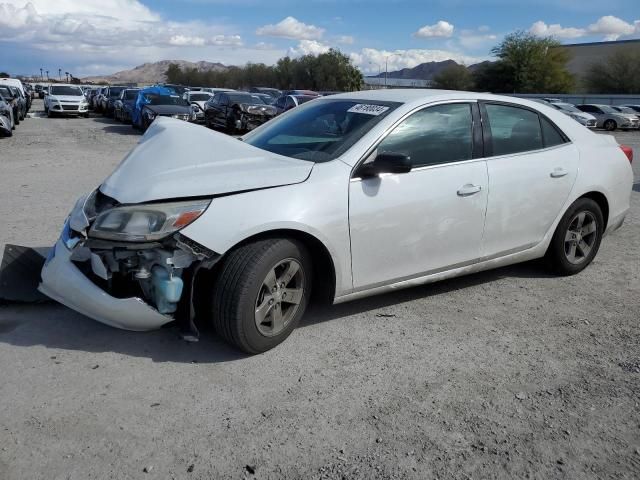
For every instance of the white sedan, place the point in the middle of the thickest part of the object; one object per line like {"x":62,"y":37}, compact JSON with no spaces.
{"x":346,"y":196}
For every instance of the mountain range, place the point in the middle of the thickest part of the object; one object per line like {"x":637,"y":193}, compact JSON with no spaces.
{"x":153,"y":72}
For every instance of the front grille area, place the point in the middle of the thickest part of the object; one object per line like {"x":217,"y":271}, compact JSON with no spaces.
{"x":591,"y":123}
{"x":70,"y":107}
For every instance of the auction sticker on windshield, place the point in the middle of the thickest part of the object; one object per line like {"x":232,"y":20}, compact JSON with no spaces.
{"x":367,"y":109}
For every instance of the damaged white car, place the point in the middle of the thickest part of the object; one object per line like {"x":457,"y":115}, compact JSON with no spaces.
{"x":343,"y":197}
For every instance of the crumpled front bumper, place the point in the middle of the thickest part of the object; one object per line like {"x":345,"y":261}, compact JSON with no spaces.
{"x":65,"y":283}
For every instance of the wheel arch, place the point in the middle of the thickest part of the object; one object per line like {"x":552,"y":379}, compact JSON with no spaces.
{"x":601,"y":199}
{"x":324,"y":270}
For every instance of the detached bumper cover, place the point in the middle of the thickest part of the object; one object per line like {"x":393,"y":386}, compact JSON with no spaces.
{"x":65,"y":283}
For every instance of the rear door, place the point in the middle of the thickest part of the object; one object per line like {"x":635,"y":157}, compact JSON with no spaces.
{"x":532,"y":167}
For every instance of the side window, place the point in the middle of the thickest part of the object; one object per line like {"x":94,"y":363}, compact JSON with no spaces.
{"x":290,"y":104}
{"x":280,"y":102}
{"x":439,"y":134}
{"x":222,"y":100}
{"x":513,"y":129}
{"x":552,"y":136}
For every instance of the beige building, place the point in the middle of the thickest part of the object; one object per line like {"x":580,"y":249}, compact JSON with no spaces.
{"x":583,"y":55}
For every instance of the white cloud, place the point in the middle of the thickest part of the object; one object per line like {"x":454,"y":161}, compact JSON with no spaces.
{"x":184,"y":40}
{"x":371,"y":60}
{"x":541,"y":29}
{"x":440,"y":29}
{"x":308,"y":47}
{"x":345,"y":40}
{"x":612,"y":27}
{"x":293,"y":29}
{"x":609,"y":26}
{"x":474,"y":39}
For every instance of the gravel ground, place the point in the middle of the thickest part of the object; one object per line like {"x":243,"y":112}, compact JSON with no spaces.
{"x":506,"y":374}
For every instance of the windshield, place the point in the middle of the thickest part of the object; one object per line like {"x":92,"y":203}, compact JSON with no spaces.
{"x":320,"y":131}
{"x":199,"y":97}
{"x":115,"y":91}
{"x":155,"y":99}
{"x":6,"y":92}
{"x":65,"y":90}
{"x":246,"y":98}
{"x":566,"y":107}
{"x":130,"y":94}
{"x":607,"y":109}
{"x":626,"y":110}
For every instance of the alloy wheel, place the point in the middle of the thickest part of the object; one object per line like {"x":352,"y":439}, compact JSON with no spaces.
{"x":581,"y":237}
{"x":279,"y":297}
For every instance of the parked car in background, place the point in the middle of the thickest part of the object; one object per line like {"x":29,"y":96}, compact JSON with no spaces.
{"x":65,"y":100}
{"x":237,"y":111}
{"x":155,"y":102}
{"x":175,"y":89}
{"x":609,"y":118}
{"x":344,"y":197}
{"x":579,"y":116}
{"x":18,"y":85}
{"x":635,"y":108}
{"x":628,"y":111}
{"x":43,"y":92}
{"x":15,"y":101}
{"x":124,"y":105}
{"x":287,"y":102}
{"x":109,"y":98}
{"x":273,"y":92}
{"x":198,"y":99}
{"x":215,"y":90}
{"x":7,"y":124}
{"x":97,"y":99}
{"x":301,"y":92}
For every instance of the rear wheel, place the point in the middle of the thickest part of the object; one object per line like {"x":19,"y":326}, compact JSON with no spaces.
{"x":577,"y":237}
{"x":261,"y":293}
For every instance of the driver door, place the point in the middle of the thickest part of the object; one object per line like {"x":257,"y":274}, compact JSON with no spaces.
{"x":428,"y":220}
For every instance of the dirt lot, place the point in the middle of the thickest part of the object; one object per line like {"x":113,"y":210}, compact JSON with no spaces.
{"x":506,"y":374}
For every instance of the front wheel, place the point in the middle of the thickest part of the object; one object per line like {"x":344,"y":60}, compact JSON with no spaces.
{"x":261,"y":293}
{"x":577,"y":238}
{"x":610,"y":125}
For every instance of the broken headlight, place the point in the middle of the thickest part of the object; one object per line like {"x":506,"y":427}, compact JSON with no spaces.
{"x":145,"y":223}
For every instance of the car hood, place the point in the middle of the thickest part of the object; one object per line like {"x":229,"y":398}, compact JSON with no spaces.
{"x":169,"y":109}
{"x":176,"y":159}
{"x":68,"y":98}
{"x":584,"y":115}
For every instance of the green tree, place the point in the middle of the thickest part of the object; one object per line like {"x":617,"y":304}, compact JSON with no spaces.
{"x":619,"y":73}
{"x":529,"y":64}
{"x":4,"y":74}
{"x":454,"y":77}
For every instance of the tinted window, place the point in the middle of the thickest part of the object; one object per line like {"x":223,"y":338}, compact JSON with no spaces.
{"x":513,"y":129}
{"x":439,"y":134}
{"x":552,"y":136}
{"x":290,"y":103}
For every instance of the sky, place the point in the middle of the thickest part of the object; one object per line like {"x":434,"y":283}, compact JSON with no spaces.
{"x":96,"y":37}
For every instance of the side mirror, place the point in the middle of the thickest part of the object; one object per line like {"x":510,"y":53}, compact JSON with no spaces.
{"x":386,"y":162}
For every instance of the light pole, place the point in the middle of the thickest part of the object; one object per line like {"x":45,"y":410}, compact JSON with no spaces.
{"x":67,"y":74}
{"x":60,"y":74}
{"x":386,"y":67}
{"x":41,"y":76}
{"x":48,"y":79}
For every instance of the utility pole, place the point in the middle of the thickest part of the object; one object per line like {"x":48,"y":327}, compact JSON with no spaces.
{"x":386,"y":67}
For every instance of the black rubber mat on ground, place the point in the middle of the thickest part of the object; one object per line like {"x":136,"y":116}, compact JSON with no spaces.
{"x":20,"y":274}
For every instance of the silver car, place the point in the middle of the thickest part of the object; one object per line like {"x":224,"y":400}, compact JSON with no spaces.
{"x":579,"y":116}
{"x":609,"y":118}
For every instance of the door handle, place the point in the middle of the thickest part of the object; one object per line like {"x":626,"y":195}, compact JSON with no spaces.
{"x":559,"y":172}
{"x":468,"y":190}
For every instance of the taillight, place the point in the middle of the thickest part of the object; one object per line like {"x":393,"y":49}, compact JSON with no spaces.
{"x":628,"y":151}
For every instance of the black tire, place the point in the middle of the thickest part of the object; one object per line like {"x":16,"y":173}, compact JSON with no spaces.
{"x":240,"y":282}
{"x":85,"y":115}
{"x":557,"y":255}
{"x":610,"y":125}
{"x":16,"y":118}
